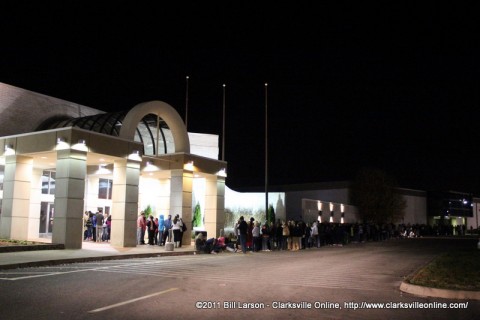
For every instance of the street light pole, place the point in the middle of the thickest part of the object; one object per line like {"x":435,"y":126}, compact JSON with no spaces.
{"x":223,"y":125}
{"x":186,"y":105}
{"x":266,"y":152}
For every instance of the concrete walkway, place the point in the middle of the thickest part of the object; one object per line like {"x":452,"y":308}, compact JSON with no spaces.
{"x":90,"y":251}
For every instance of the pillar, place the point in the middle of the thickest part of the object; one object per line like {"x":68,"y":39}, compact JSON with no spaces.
{"x":126,"y":175}
{"x":69,"y":198}
{"x":214,"y":205}
{"x":16,"y":197}
{"x":181,"y":200}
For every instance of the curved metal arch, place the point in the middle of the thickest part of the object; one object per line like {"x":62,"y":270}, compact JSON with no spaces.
{"x":162,"y":110}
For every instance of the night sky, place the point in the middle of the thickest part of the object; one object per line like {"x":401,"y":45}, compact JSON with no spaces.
{"x":390,"y":86}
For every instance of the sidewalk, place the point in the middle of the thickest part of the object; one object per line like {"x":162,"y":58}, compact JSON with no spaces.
{"x":90,"y":251}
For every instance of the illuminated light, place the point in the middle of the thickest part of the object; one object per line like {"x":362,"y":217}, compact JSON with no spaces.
{"x":149,"y":167}
{"x":331,"y":219}
{"x":331,"y":206}
{"x":135,"y":155}
{"x":102,"y":169}
{"x":81,"y":145}
{"x":9,"y":150}
{"x":222,"y":173}
{"x":188,"y":166}
{"x":319,"y":206}
{"x":341,"y":220}
{"x":342,"y":208}
{"x":62,"y":144}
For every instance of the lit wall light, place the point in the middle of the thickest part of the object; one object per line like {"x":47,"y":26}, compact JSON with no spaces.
{"x":62,"y":144}
{"x":102,"y":169}
{"x":81,"y":145}
{"x":135,"y":155}
{"x":9,"y":150}
{"x":149,"y":167}
{"x":188,"y":166}
{"x":331,"y":212}
{"x":222,"y":173}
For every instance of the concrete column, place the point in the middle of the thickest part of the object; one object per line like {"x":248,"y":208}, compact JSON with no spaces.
{"x":16,"y":197}
{"x":35,"y":204}
{"x":214,"y":205}
{"x":69,"y":198}
{"x":126,"y":175}
{"x":181,"y":200}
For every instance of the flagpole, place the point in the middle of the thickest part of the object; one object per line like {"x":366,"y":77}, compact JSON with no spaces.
{"x":186,"y":105}
{"x":223,"y":126}
{"x":266,"y":152}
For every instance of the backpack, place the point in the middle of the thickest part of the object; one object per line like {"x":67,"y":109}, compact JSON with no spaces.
{"x":184,"y":227}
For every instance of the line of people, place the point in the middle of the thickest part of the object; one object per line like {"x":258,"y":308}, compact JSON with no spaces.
{"x":160,"y":230}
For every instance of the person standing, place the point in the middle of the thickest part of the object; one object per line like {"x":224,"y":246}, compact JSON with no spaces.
{"x":183,"y":228}
{"x":177,"y":229}
{"x":161,"y":227}
{"x":243,"y":227}
{"x":151,"y":230}
{"x":166,"y":232}
{"x":141,"y":226}
{"x":100,"y":219}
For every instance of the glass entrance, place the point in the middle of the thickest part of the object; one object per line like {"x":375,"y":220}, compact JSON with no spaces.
{"x":47,"y":212}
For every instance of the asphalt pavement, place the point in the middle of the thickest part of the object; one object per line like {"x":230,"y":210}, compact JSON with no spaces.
{"x":96,"y":251}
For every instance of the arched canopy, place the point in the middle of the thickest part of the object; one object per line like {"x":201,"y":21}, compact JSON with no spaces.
{"x":153,"y":123}
{"x":161,"y":110}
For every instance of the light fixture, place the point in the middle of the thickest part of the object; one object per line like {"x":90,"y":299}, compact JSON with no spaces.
{"x":188,"y":166}
{"x":135,"y":155}
{"x":81,"y":145}
{"x":222,"y":173}
{"x":62,"y":144}
{"x":9,"y":150}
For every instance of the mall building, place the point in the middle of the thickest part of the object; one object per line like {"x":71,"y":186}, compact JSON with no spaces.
{"x":61,"y":159}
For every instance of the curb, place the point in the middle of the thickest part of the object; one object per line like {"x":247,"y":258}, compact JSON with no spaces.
{"x":43,"y":263}
{"x":439,"y":293}
{"x":36,"y":247}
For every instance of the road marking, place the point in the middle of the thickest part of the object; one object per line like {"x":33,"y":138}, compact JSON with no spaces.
{"x":131,"y":301}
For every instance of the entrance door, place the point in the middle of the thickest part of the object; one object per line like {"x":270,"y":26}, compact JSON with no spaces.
{"x":47,"y":212}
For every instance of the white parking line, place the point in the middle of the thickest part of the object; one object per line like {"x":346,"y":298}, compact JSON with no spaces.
{"x":131,"y":301}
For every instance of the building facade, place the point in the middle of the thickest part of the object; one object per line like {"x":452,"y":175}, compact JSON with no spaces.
{"x":61,"y":159}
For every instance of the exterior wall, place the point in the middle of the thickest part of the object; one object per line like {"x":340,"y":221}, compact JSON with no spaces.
{"x":16,"y":107}
{"x":474,"y":222}
{"x":416,"y":211}
{"x":294,"y":200}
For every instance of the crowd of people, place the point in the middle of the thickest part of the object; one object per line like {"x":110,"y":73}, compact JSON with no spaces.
{"x":160,"y":230}
{"x":97,"y":226}
{"x":292,"y":235}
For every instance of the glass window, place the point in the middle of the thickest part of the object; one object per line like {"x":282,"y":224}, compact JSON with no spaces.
{"x":48,"y":182}
{"x":105,"y":188}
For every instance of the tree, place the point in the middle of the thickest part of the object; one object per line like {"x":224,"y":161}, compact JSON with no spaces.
{"x":271,"y":215}
{"x":374,"y":194}
{"x":197,"y":216}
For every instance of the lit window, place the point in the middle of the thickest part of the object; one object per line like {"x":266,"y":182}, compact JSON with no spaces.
{"x":48,"y":182}
{"x":105,"y":188}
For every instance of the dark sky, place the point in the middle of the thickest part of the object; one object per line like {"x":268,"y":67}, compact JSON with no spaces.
{"x":390,"y":86}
